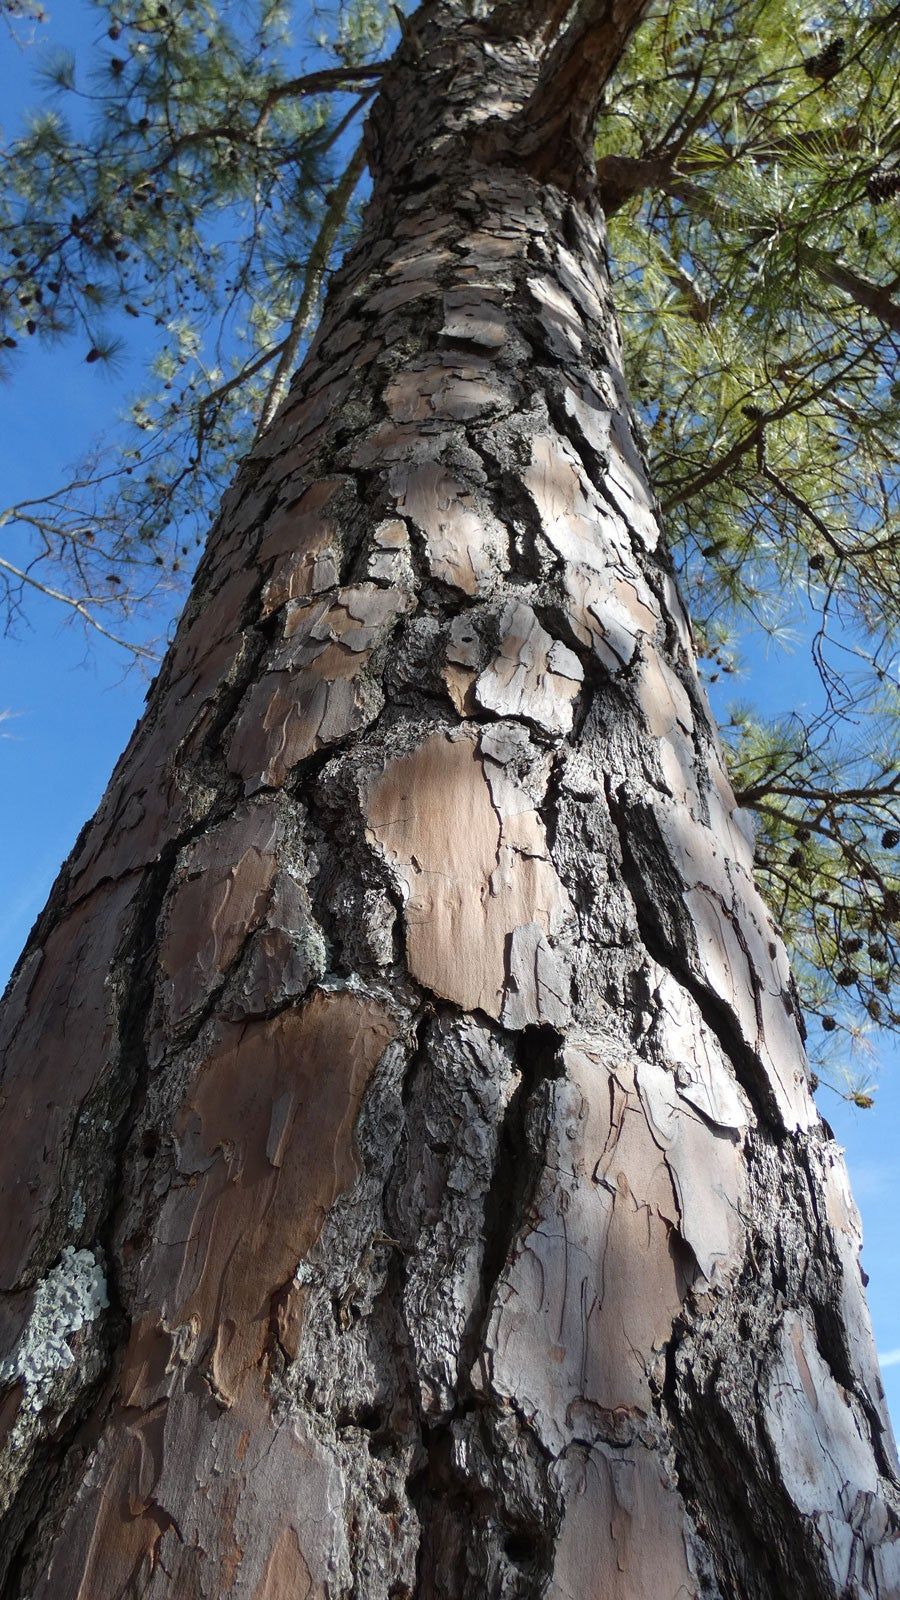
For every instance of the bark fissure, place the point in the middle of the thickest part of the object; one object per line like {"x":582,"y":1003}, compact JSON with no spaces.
{"x":660,"y":937}
{"x":516,"y":1170}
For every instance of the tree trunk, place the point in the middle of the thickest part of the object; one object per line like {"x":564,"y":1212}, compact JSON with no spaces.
{"x":411,"y":1181}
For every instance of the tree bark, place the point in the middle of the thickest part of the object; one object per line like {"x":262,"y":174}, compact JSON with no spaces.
{"x":411,"y":1180}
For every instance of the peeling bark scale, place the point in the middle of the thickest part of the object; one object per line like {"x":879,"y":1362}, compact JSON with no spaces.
{"x":410,"y":1180}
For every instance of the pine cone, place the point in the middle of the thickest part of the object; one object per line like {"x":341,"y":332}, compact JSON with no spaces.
{"x":883,"y":186}
{"x":827,"y":62}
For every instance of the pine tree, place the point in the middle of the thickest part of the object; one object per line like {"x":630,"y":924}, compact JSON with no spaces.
{"x":754,"y":240}
{"x":412,"y":1178}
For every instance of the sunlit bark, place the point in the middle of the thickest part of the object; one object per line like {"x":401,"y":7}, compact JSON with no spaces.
{"x":411,"y":1181}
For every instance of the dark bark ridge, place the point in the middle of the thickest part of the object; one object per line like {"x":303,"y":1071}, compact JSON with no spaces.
{"x":413,"y":1183}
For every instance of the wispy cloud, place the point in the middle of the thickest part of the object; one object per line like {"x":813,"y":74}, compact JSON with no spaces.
{"x":889,"y":1358}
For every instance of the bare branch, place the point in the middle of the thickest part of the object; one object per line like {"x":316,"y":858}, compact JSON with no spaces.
{"x":142,"y":652}
{"x":315,"y":271}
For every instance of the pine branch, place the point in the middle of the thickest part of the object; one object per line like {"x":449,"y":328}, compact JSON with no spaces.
{"x":315,"y":271}
{"x":330,"y":78}
{"x":212,"y":397}
{"x":141,"y":652}
{"x":620,"y":177}
{"x":805,"y":509}
{"x":873,"y":297}
{"x":749,"y":441}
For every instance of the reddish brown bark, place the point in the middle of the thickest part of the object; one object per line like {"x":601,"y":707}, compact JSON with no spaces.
{"x":415,"y":1184}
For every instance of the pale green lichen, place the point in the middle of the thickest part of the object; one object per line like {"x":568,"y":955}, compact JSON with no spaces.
{"x":70,"y":1297}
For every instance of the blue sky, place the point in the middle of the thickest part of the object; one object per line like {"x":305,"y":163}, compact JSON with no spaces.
{"x":73,"y":706}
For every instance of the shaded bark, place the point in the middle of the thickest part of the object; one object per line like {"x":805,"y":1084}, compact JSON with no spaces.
{"x":412,"y":1180}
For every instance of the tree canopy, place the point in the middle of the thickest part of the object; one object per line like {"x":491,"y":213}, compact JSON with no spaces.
{"x":186,"y":189}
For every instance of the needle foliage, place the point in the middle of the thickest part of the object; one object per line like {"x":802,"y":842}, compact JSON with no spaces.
{"x":749,"y":159}
{"x":174,"y":198}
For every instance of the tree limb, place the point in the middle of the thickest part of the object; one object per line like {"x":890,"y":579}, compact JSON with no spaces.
{"x":330,"y":78}
{"x":749,"y":441}
{"x":551,"y":134}
{"x":620,"y":177}
{"x":805,"y":509}
{"x":141,"y":651}
{"x":213,"y":396}
{"x":315,"y":271}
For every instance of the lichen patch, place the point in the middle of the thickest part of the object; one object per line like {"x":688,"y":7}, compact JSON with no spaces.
{"x":71,"y":1296}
